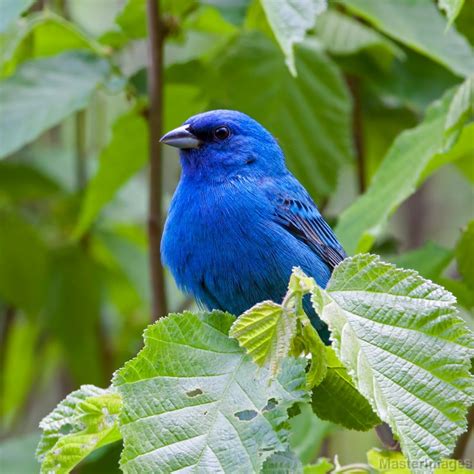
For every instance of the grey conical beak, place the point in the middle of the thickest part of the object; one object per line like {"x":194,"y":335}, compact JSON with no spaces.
{"x":181,"y":137}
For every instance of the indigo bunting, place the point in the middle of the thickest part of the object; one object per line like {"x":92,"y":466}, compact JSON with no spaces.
{"x":239,"y":221}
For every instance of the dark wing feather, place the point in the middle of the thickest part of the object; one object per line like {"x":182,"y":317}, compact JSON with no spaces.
{"x":302,"y":219}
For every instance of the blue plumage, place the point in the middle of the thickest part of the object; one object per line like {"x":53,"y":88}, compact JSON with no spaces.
{"x":239,"y":220}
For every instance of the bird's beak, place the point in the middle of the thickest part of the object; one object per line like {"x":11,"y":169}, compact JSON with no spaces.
{"x":181,"y":137}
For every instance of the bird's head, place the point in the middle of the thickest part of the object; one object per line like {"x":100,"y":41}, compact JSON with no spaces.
{"x":223,"y":143}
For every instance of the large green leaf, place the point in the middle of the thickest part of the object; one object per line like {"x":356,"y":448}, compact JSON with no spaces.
{"x":289,"y":21}
{"x":419,"y":25}
{"x":406,"y":349}
{"x":124,"y":156}
{"x":398,"y":175}
{"x":194,"y":400}
{"x":23,"y":263}
{"x":310,"y":115}
{"x":43,"y":92}
{"x":83,"y":422}
{"x":11,"y":10}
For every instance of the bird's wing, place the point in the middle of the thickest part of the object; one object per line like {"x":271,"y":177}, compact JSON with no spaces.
{"x":300,"y":216}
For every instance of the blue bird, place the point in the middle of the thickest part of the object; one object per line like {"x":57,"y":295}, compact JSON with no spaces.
{"x":239,"y":221}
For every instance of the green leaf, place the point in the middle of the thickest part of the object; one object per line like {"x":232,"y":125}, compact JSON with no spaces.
{"x":43,"y":92}
{"x":465,"y":255}
{"x":419,"y":25}
{"x":270,"y":332}
{"x":265,"y":331}
{"x":406,"y":349}
{"x":342,"y":35}
{"x":336,"y":398}
{"x":309,"y":102}
{"x":83,"y":422}
{"x":11,"y":10}
{"x":193,"y":391}
{"x":124,"y":156}
{"x":23,"y":263}
{"x":323,"y":466}
{"x":429,"y":260}
{"x":451,"y":8}
{"x":290,"y":21}
{"x":396,"y":178}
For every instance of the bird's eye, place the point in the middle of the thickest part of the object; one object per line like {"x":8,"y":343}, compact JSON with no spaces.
{"x":221,"y":133}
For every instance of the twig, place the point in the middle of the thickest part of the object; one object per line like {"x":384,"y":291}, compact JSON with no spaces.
{"x":156,"y":35}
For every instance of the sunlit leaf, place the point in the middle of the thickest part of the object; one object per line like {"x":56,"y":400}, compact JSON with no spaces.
{"x":289,"y":21}
{"x":83,"y":422}
{"x":43,"y":92}
{"x":266,"y":331}
{"x":406,"y":349}
{"x":193,"y":399}
{"x":283,"y":463}
{"x":420,"y":26}
{"x":323,"y":466}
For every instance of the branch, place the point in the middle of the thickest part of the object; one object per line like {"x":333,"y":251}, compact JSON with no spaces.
{"x":156,"y":35}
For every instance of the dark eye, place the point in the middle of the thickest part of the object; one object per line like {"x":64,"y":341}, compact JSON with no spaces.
{"x":221,"y":133}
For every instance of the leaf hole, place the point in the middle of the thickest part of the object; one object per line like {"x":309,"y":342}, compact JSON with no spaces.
{"x":271,"y":404}
{"x":245,"y":415}
{"x":194,"y":393}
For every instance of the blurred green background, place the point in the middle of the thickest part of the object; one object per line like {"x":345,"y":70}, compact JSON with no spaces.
{"x":75,"y":291}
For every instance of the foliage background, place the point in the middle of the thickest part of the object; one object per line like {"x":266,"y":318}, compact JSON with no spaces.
{"x":75,"y":291}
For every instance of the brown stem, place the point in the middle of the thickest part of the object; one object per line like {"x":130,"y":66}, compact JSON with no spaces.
{"x":156,"y":35}
{"x":459,"y":451}
{"x":357,"y":132}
